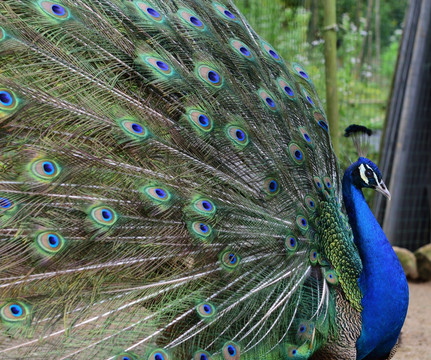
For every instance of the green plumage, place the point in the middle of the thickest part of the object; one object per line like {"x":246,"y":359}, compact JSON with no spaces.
{"x":157,"y":160}
{"x":338,"y":244}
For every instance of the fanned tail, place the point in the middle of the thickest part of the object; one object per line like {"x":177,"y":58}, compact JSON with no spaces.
{"x":165,"y":181}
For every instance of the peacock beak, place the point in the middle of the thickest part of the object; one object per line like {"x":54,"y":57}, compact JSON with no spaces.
{"x":381,"y":188}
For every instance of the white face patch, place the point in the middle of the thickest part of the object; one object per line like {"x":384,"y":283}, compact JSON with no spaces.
{"x":362,"y":173}
{"x":375,"y":177}
{"x":364,"y":177}
{"x":374,"y":174}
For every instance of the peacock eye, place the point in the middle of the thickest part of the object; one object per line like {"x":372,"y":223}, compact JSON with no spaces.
{"x":368,"y":173}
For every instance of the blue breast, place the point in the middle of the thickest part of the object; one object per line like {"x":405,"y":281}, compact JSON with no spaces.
{"x":382,"y":282}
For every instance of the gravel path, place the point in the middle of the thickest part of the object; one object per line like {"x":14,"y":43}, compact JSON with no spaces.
{"x":416,"y":333}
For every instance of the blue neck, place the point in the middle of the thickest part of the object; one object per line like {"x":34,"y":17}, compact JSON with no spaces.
{"x":382,"y":282}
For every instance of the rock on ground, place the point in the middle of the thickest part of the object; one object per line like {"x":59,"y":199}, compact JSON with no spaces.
{"x":423,"y":258}
{"x":408,"y":261}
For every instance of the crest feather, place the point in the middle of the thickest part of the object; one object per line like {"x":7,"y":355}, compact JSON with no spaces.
{"x":360,"y":136}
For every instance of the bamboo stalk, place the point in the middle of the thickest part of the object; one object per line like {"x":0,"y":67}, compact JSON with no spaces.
{"x":330,"y":36}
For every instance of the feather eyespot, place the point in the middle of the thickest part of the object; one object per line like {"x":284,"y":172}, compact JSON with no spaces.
{"x":203,"y":120}
{"x":154,"y":13}
{"x":307,"y":96}
{"x":202,"y":229}
{"x":324,"y":125}
{"x":55,"y":10}
{"x":286,"y":89}
{"x":210,"y":76}
{"x":200,"y":120}
{"x":14,"y":311}
{"x":126,"y":356}
{"x":300,"y":353}
{"x":8,"y":100}
{"x":301,"y":72}
{"x":271,"y":186}
{"x":328,"y":183}
{"x":50,"y":242}
{"x":292,"y":352}
{"x":306,"y":136}
{"x":224,"y":12}
{"x":270,"y":51}
{"x":291,"y":243}
{"x":104,"y":215}
{"x":231,"y":351}
{"x":240,"y":135}
{"x":241,"y":49}
{"x":213,"y":77}
{"x":6,"y":204}
{"x":202,"y":355}
{"x":318,"y":183}
{"x":237,"y":135}
{"x":331,"y":277}
{"x":191,"y":19}
{"x":305,"y":331}
{"x":310,"y":203}
{"x":229,"y":14}
{"x":158,"y":354}
{"x":229,"y":260}
{"x":267,"y":99}
{"x":45,"y":169}
{"x":296,"y":154}
{"x":161,"y":194}
{"x":321,"y":121}
{"x":205,"y":206}
{"x":150,"y":12}
{"x":205,"y":310}
{"x":302,"y":223}
{"x":160,"y":66}
{"x":313,"y":256}
{"x":157,"y":194}
{"x":135,"y":129}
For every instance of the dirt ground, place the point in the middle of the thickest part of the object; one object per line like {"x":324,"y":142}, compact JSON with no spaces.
{"x":416,"y":333}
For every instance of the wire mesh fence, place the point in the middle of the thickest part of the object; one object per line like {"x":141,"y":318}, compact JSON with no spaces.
{"x":406,"y":151}
{"x":369,"y":36}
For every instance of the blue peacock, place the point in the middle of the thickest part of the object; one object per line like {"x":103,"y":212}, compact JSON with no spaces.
{"x":168,"y":190}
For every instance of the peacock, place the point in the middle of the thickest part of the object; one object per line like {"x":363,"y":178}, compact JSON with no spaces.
{"x":168,"y":190}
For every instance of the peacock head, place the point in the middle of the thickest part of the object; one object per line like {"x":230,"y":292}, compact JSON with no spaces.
{"x":366,"y":174}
